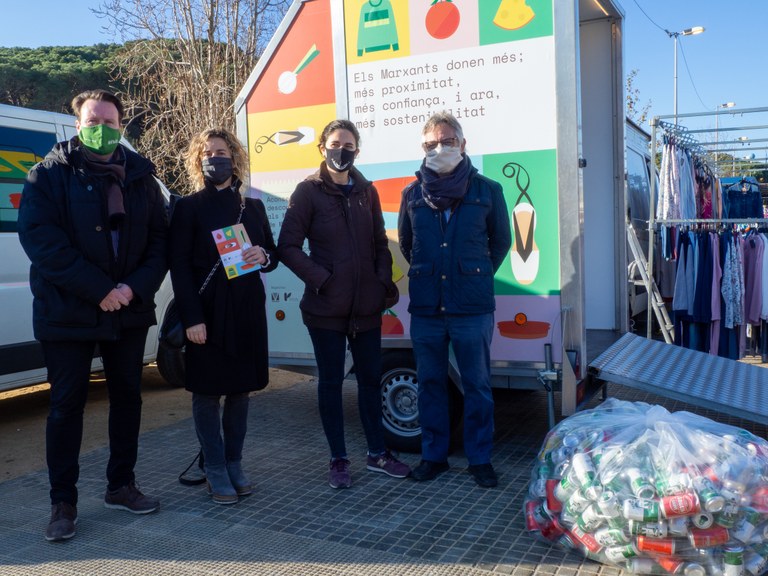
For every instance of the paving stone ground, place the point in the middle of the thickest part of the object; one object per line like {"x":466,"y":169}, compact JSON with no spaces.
{"x":294,"y":524}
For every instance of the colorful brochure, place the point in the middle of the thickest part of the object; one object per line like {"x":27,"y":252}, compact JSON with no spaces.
{"x":230,"y":242}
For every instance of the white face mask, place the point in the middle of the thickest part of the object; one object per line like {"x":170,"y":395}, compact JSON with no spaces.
{"x":443,"y":159}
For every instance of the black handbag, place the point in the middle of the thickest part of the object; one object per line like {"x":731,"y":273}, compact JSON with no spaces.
{"x":172,"y":334}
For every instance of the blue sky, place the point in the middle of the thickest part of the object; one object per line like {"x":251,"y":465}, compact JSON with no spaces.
{"x":725,"y":63}
{"x":36,"y":23}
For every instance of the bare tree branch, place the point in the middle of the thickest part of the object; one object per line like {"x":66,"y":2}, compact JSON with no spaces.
{"x":183,"y":64}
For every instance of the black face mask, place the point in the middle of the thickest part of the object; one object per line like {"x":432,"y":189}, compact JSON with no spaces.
{"x":339,"y":159}
{"x":217,"y":169}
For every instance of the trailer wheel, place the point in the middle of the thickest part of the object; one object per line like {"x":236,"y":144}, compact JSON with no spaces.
{"x":399,"y":402}
{"x":170,"y":362}
{"x":400,"y":407}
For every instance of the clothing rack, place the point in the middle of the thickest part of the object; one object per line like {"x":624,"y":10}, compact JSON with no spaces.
{"x":683,"y":136}
{"x":712,"y":221}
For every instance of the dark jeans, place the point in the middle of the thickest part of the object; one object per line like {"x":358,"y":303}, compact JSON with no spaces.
{"x":470,"y":336}
{"x":330,"y":351}
{"x":210,"y":421}
{"x":69,"y":367}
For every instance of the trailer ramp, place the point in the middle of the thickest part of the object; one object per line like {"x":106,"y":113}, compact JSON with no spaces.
{"x":697,"y":378}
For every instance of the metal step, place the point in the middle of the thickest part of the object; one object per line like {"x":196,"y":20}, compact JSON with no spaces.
{"x":698,"y":378}
{"x":656,"y":301}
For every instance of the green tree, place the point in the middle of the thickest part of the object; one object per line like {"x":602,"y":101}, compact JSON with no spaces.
{"x":48,"y":78}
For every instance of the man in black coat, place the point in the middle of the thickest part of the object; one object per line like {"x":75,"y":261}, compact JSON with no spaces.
{"x":93,"y":222}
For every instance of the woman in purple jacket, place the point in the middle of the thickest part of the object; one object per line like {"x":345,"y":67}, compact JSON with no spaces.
{"x":348,"y":277}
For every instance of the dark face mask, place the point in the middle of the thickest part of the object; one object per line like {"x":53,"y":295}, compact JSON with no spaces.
{"x":217,"y":169}
{"x":339,"y":159}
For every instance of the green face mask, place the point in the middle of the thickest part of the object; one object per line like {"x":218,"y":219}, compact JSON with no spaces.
{"x":100,"y":139}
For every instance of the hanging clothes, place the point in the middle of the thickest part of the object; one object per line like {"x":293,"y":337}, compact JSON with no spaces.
{"x":742,"y":198}
{"x":717,"y":276}
{"x":704,"y":189}
{"x":753,"y":275}
{"x":719,"y":290}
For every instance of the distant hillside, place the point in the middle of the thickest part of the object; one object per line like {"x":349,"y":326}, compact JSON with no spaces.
{"x":47,"y":78}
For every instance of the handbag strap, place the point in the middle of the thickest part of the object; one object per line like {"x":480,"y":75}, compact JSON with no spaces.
{"x":187,"y":481}
{"x":216,"y":266}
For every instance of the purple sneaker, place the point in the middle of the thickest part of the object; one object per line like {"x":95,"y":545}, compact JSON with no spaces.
{"x":389,"y":465}
{"x":338,"y":475}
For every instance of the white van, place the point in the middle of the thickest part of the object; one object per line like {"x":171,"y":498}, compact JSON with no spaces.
{"x":26,"y":136}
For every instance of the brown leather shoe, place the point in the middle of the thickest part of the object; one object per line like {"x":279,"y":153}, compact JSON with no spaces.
{"x":130,"y":498}
{"x":62,"y":523}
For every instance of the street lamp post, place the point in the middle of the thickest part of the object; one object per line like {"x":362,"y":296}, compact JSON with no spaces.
{"x":717,"y":129}
{"x":687,"y":32}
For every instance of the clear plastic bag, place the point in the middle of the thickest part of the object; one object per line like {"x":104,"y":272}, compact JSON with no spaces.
{"x":632,"y":485}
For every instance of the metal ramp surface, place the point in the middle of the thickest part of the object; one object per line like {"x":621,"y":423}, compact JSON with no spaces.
{"x":698,"y":378}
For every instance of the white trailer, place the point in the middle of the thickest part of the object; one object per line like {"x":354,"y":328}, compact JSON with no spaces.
{"x":538,"y":88}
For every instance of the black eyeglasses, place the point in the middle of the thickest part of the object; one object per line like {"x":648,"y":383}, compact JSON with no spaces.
{"x":445,"y":142}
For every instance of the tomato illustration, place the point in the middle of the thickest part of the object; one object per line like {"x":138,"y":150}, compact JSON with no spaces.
{"x":390,"y":324}
{"x":442,"y":19}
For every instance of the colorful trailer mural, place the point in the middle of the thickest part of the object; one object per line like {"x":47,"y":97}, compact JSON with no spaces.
{"x":387,"y":65}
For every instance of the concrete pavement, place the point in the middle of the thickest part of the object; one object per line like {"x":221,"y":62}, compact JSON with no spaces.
{"x":294,"y":524}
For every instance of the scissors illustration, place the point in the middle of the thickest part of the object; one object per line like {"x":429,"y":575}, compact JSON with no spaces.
{"x":302,"y":135}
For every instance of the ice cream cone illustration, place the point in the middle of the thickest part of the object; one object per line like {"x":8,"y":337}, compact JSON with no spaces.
{"x":513,"y":14}
{"x":524,"y":256}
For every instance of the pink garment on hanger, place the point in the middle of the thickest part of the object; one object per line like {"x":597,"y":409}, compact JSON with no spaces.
{"x":704,"y":185}
{"x":717,"y":275}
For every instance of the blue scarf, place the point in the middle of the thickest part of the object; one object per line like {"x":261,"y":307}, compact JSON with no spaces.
{"x":444,"y":191}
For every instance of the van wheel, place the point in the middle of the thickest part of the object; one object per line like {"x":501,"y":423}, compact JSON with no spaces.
{"x":170,"y":361}
{"x":399,"y":402}
{"x":400,"y":407}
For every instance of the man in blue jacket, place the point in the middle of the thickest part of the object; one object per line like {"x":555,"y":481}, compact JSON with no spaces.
{"x":93,"y":222}
{"x":454,"y":232}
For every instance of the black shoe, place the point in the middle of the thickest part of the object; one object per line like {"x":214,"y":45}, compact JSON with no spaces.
{"x":427,"y":470}
{"x":484,"y":475}
{"x":62,"y":523}
{"x":130,"y":498}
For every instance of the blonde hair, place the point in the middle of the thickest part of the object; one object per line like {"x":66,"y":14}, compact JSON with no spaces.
{"x":193,"y":157}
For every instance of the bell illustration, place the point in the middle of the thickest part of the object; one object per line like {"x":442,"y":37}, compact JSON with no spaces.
{"x":513,"y":14}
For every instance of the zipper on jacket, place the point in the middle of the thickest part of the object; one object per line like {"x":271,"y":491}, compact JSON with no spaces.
{"x":356,"y":261}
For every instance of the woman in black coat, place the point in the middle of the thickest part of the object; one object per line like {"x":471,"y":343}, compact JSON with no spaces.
{"x":224,"y":317}
{"x":348,"y":281}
